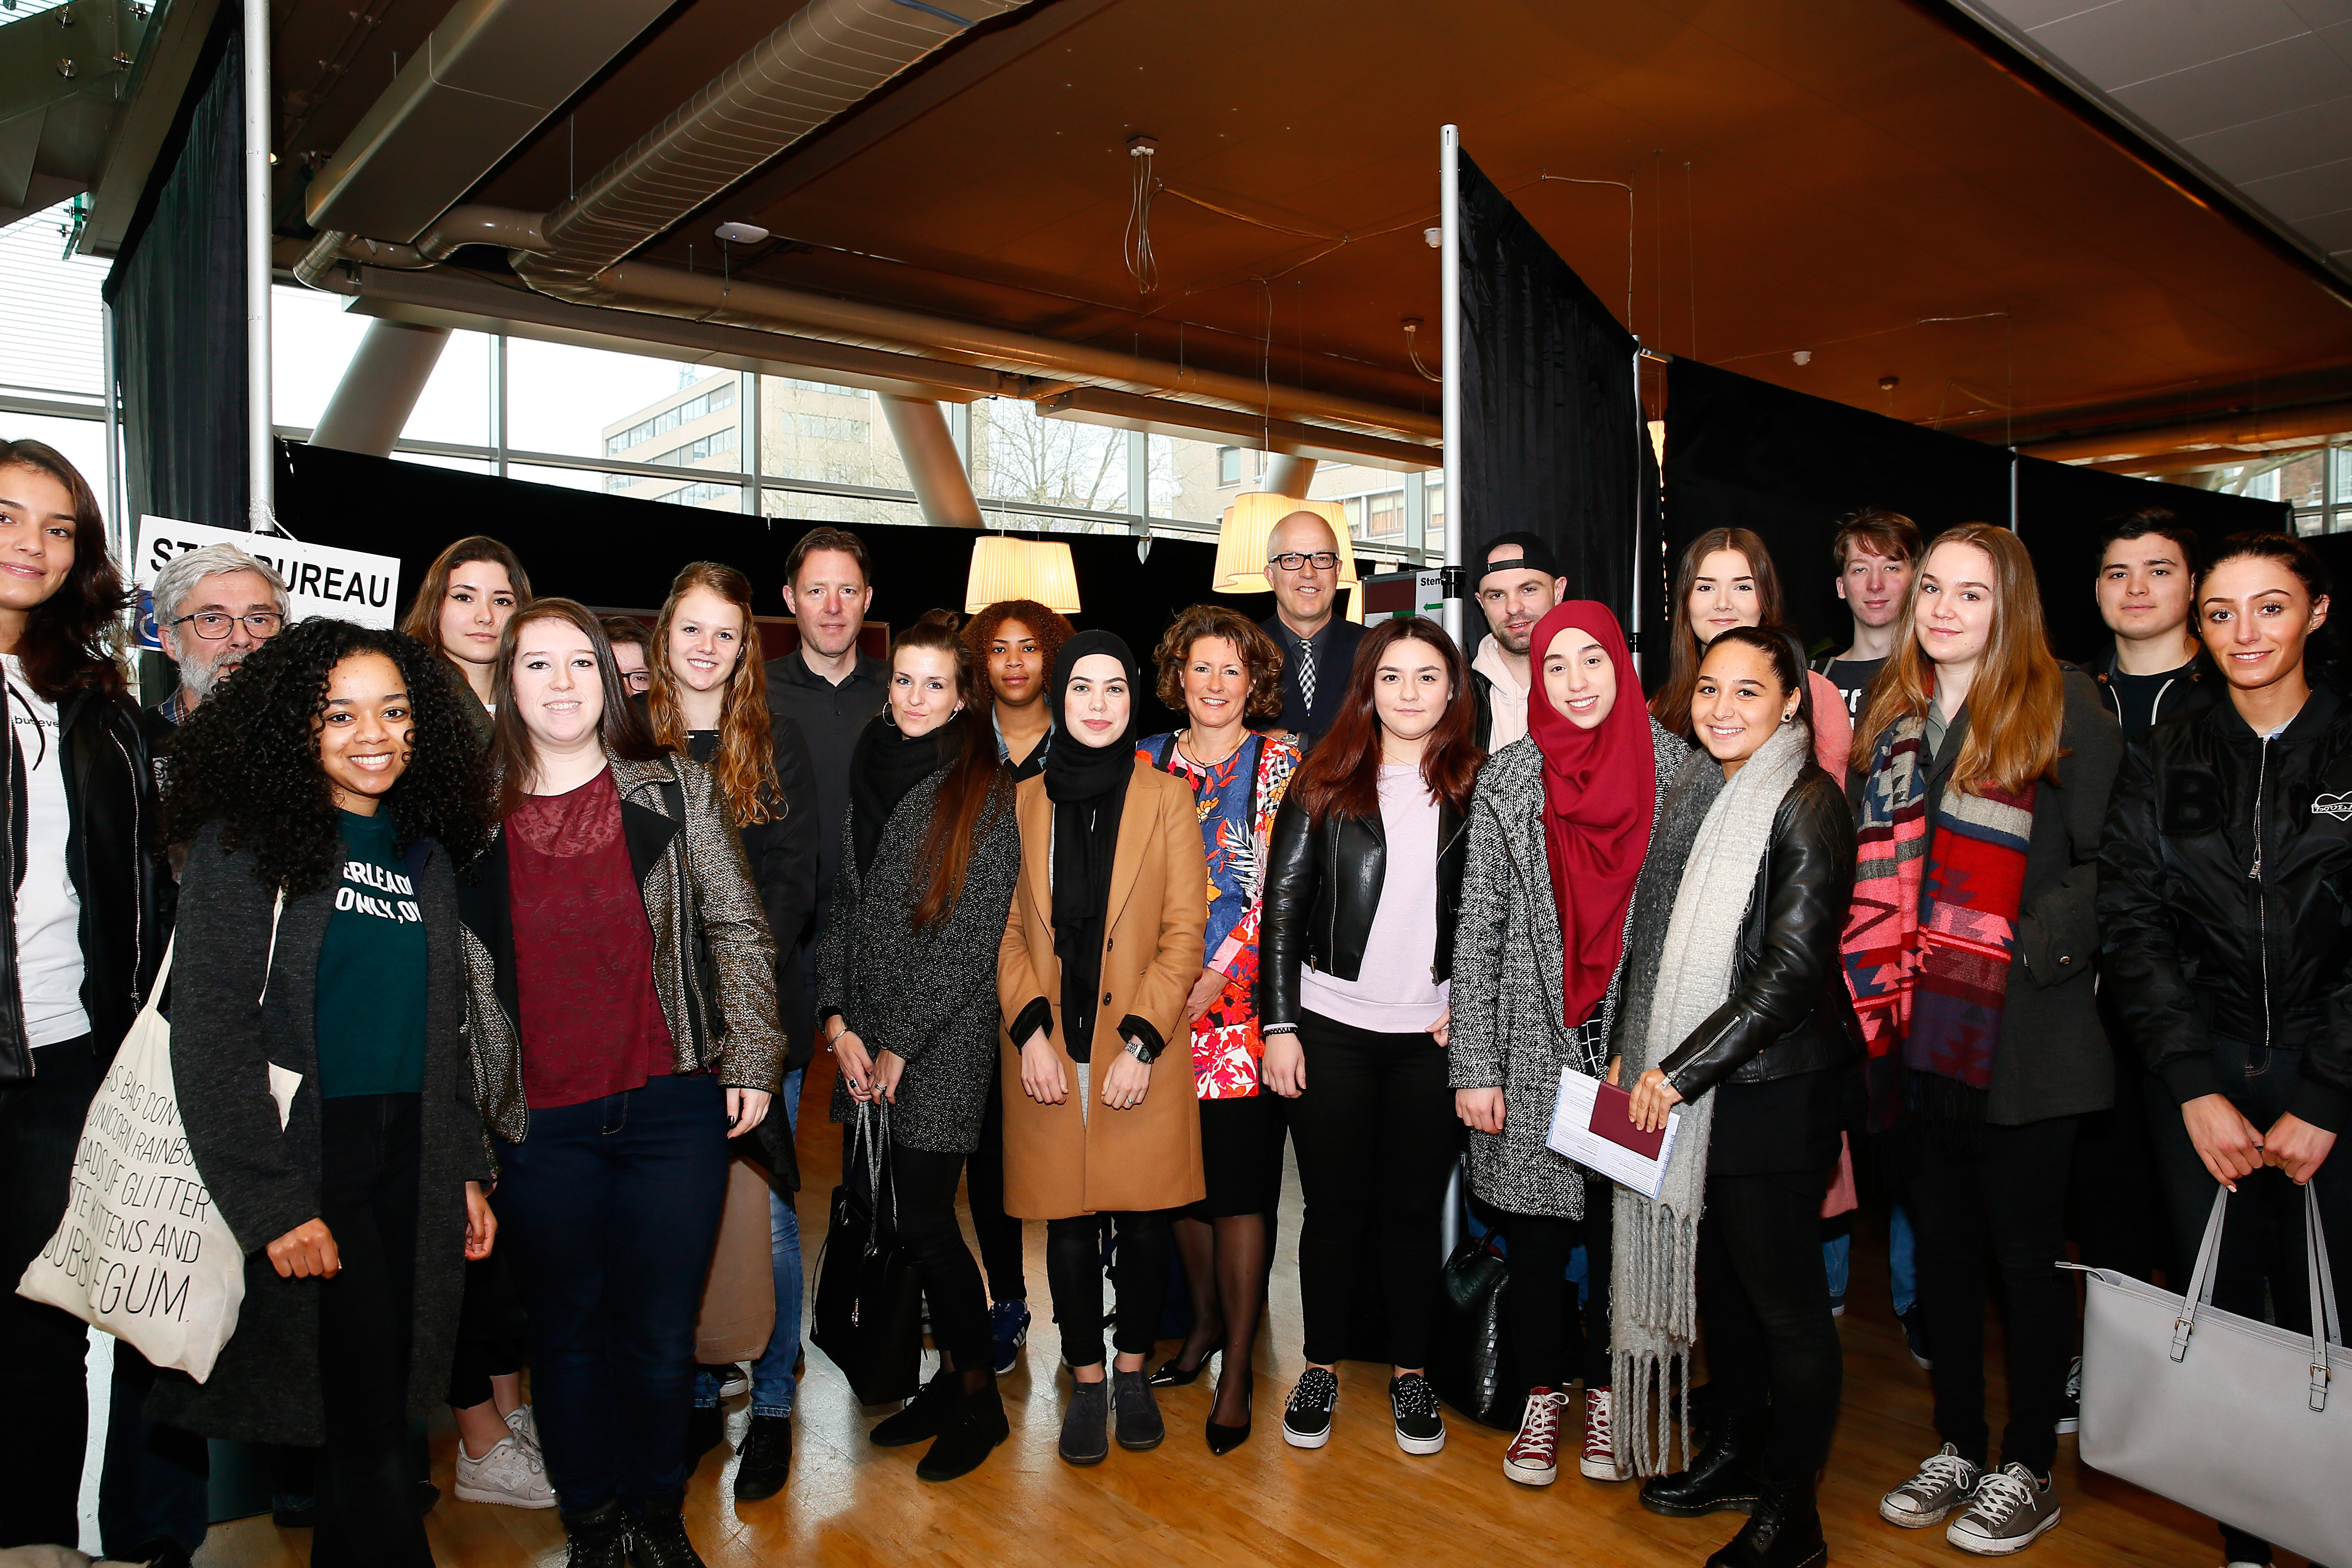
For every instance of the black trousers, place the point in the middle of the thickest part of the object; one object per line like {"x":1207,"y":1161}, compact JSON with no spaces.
{"x":2116,"y":1208}
{"x":1537,"y":1306}
{"x":1074,"y":1272}
{"x":1376,"y":1138}
{"x":367,"y":1197}
{"x":44,"y":1404}
{"x":2004,"y":1186}
{"x":999,"y":1233}
{"x":1772,"y":1346}
{"x":924,"y":1185}
{"x":2261,"y":1239}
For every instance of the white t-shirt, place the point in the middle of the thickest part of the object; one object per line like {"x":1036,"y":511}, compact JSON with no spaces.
{"x":49,"y":910}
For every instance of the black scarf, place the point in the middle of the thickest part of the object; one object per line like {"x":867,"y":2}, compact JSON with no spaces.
{"x":1088,"y":785}
{"x":884,"y":765}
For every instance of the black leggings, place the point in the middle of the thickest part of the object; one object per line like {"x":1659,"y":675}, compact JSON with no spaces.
{"x":1772,"y":1344}
{"x":924,"y":1184}
{"x":999,"y":1233}
{"x":1074,"y":1273}
{"x":1536,"y":1307}
{"x":367,"y":1197}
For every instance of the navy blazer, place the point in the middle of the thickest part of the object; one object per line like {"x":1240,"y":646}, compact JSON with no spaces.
{"x":1335,"y":659}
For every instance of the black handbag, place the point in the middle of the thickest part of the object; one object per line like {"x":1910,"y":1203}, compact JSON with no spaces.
{"x":1470,"y":1365}
{"x":869,"y":1299}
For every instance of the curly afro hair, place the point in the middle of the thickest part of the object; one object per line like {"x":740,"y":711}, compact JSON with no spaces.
{"x":248,"y":758}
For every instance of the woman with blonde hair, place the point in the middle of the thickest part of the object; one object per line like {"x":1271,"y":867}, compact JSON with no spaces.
{"x":707,"y":701}
{"x":1981,"y":771}
{"x":1220,"y":670}
{"x":1727,"y":579}
{"x":460,"y":608}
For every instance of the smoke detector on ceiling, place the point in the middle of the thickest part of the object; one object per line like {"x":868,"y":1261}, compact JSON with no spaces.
{"x":741,"y":233}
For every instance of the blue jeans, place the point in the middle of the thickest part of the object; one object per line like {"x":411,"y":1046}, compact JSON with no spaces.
{"x":771,"y":1374}
{"x":1901,"y":1261}
{"x":611,"y":1210}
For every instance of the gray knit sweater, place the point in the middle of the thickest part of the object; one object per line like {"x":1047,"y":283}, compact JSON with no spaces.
{"x":928,"y":996}
{"x":1508,"y":1028}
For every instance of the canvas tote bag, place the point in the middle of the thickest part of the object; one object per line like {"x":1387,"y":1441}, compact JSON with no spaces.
{"x":141,"y":1252}
{"x":2246,"y":1423}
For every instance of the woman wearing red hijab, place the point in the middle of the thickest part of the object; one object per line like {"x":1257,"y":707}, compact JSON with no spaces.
{"x":1558,"y":831}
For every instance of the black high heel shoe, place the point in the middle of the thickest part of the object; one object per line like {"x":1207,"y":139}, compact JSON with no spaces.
{"x":1171,"y":1375}
{"x":1223,"y":1440}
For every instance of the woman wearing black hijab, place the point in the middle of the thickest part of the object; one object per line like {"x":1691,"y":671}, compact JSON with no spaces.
{"x":1101,"y":949}
{"x":929,"y":855}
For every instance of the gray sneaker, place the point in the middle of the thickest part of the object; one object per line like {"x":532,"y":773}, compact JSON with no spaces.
{"x":1945,"y":1482}
{"x":1085,"y":1424}
{"x":1137,"y":1410}
{"x":2009,"y":1513}
{"x":510,"y":1474}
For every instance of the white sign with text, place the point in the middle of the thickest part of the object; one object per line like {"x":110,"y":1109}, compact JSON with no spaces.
{"x":320,"y":579}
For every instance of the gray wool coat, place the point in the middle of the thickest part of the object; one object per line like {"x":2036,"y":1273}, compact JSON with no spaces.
{"x":926,"y":995}
{"x":265,"y":1386}
{"x":1509,"y":1028}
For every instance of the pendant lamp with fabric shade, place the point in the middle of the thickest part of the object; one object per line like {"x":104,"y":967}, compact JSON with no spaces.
{"x":1242,"y":535}
{"x":1006,"y":568}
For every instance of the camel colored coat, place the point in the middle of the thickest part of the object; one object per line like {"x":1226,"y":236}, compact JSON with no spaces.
{"x":1058,"y":1162}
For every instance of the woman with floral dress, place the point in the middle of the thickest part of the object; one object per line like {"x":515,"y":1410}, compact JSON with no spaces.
{"x":1223,"y":671}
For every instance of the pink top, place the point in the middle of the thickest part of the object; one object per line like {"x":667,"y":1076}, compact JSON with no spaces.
{"x":1832,"y":727}
{"x":1397,"y":991}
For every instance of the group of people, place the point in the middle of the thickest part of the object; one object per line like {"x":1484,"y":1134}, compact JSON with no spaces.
{"x":547,"y":911}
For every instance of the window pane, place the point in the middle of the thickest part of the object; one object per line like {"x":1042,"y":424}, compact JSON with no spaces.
{"x":844,"y":512}
{"x":311,"y":341}
{"x":1385,"y":518}
{"x":461,"y":465}
{"x":1185,"y":480}
{"x":574,"y":400}
{"x":455,"y":405}
{"x":809,"y":430}
{"x":81,"y":442}
{"x":1018,"y":457}
{"x":49,"y":309}
{"x":2303,"y":482}
{"x":681,"y":490}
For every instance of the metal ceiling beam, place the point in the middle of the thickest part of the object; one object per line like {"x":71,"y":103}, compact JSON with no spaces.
{"x":1194,"y":422}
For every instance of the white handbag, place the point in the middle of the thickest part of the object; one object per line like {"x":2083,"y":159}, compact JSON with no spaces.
{"x":2233,"y":1418}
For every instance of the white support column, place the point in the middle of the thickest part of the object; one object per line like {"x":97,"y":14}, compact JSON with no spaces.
{"x":259,"y":432}
{"x":1139,"y":481}
{"x":1288,"y":476}
{"x":1449,"y":205}
{"x":380,"y":388}
{"x":934,"y":467}
{"x":747,"y":437}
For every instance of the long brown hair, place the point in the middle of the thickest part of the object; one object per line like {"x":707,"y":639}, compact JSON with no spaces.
{"x":1342,"y":773}
{"x":1671,"y":706}
{"x":423,"y":622}
{"x":977,"y":782}
{"x":745,"y":759}
{"x":621,"y":729}
{"x":2017,"y":704}
{"x":65,"y":645}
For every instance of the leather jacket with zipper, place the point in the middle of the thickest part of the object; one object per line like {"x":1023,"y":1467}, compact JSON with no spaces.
{"x":1322,"y":888}
{"x":110,"y":857}
{"x":1789,"y":1011}
{"x":2225,"y":895}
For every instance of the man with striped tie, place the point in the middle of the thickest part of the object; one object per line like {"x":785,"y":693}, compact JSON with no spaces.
{"x":1318,"y":648}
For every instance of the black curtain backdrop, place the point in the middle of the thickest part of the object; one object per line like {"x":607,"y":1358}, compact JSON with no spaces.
{"x":619,"y":552}
{"x":178,"y":293}
{"x":1742,"y":453}
{"x":1552,"y":433}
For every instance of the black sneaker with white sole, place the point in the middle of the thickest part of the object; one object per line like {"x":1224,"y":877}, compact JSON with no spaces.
{"x":1419,"y":1427}
{"x":1306,"y":1422}
{"x":2070,"y":1413}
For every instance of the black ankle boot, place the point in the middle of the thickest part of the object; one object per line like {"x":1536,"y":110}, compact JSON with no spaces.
{"x":1783,"y":1531}
{"x":657,"y":1537}
{"x":974,"y":1425}
{"x":597,"y":1538}
{"x":920,"y":1419}
{"x":1721,"y":1481}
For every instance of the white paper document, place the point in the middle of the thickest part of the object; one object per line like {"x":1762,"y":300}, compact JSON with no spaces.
{"x":1571,"y":1134}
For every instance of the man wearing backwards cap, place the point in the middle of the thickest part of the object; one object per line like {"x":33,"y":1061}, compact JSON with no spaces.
{"x":1518,"y":584}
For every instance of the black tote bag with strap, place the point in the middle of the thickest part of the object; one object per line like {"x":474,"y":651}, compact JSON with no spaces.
{"x":869,"y":1299}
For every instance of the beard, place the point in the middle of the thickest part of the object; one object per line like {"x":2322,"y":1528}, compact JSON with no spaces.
{"x":202,"y":678}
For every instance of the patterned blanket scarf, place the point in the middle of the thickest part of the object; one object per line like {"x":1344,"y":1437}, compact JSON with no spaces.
{"x":1930,"y":973}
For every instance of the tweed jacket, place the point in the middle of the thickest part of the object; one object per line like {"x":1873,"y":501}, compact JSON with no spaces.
{"x":928,"y":996}
{"x":714,"y":959}
{"x":224,"y":1035}
{"x":1509,"y":1028}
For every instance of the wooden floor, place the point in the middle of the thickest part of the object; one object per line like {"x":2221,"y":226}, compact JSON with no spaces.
{"x":1357,"y":1501}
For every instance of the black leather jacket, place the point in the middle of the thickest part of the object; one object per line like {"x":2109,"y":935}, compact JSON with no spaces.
{"x":109,"y":855}
{"x":1322,"y":886}
{"x":1789,"y":1011}
{"x":2225,"y":897}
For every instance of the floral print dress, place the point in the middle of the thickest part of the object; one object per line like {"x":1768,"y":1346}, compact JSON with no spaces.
{"x":1237,"y":799}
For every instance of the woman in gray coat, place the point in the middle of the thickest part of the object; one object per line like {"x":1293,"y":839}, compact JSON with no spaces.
{"x":907,"y":1002}
{"x":325,"y":790}
{"x":1558,"y":831}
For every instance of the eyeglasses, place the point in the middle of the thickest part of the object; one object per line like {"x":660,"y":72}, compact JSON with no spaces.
{"x":212,"y":625}
{"x":636,"y":682}
{"x":1292,"y":561}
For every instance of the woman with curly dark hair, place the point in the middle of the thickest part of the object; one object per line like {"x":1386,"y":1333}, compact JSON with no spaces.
{"x":77,"y":941}
{"x":1221,"y":672}
{"x":323,"y":796}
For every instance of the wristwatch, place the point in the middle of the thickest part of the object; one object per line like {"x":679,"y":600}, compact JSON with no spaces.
{"x":1140,"y":1051}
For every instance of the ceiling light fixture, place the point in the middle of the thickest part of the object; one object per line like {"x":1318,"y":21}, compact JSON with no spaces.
{"x":741,"y":233}
{"x":1006,"y":568}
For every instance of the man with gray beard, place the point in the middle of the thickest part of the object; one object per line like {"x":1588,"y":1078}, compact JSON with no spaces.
{"x":214,"y":606}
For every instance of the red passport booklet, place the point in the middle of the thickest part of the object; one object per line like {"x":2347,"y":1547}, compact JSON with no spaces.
{"x":1613,"y":1119}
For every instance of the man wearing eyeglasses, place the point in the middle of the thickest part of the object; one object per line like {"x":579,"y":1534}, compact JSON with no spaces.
{"x":212,"y":607}
{"x":1318,"y":648}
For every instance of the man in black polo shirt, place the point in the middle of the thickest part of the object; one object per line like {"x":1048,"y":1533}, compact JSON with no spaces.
{"x":2159,"y":670}
{"x":1319,"y":649}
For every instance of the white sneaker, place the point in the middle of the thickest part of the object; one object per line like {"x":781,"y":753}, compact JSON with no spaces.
{"x":509,"y":1474}
{"x":735,"y":1380}
{"x":524,"y":1424}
